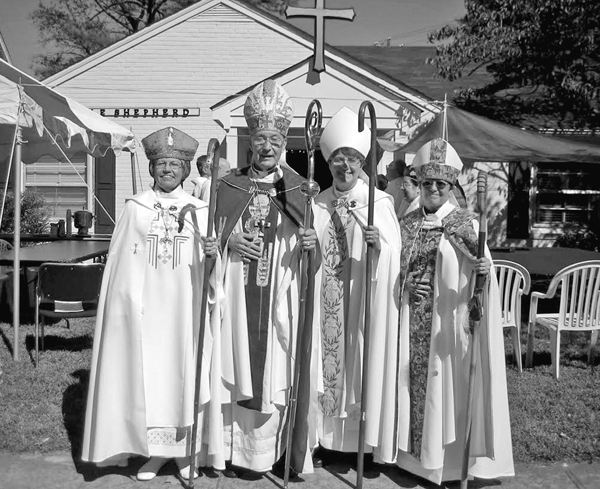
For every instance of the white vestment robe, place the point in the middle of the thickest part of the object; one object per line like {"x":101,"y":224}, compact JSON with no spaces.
{"x":142,"y":379}
{"x":448,"y":371}
{"x":338,"y":331}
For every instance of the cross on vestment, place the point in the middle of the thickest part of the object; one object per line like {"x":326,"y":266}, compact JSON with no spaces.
{"x":320,"y":13}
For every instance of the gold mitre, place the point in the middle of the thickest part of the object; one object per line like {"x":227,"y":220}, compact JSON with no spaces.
{"x":269,"y":107}
{"x":437,"y":160}
{"x":170,"y":142}
{"x":342,"y":132}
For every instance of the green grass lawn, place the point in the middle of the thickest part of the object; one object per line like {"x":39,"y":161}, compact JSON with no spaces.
{"x":42,"y":409}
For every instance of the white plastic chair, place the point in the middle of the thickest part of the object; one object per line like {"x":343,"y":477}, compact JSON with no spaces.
{"x":513,"y":281}
{"x":579,"y":308}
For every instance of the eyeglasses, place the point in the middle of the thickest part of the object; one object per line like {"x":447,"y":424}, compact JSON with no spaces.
{"x":440,"y":184}
{"x":342,"y":160}
{"x":172,"y":165}
{"x":408,"y":184}
{"x":260,"y":141}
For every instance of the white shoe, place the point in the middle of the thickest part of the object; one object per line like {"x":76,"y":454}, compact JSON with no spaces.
{"x":149,"y":470}
{"x":184,"y":468}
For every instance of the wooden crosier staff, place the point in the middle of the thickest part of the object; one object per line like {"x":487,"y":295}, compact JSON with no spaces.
{"x":213,"y":153}
{"x":360,"y":463}
{"x":475,"y":315}
{"x":310,"y":189}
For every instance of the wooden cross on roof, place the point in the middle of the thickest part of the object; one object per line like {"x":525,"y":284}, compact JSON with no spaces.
{"x":320,"y":13}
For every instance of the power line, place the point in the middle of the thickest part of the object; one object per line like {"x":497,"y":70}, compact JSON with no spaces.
{"x":401,"y":35}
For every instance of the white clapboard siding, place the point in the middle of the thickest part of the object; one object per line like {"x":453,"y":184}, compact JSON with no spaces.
{"x":193,"y":64}
{"x":59,"y":182}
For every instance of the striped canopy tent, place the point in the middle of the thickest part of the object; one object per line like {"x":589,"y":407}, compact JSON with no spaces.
{"x":36,"y":121}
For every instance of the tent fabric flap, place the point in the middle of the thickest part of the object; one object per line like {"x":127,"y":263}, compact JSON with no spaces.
{"x":52,"y":123}
{"x":478,"y":138}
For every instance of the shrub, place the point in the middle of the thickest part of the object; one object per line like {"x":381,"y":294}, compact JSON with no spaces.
{"x":582,"y":238}
{"x":34,"y":213}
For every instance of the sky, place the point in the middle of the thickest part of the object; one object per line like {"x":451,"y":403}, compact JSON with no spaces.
{"x":404,"y":21}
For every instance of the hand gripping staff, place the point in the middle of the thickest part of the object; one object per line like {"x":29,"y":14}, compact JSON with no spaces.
{"x":475,"y":314}
{"x":310,"y":189}
{"x":360,"y":463}
{"x":213,"y":153}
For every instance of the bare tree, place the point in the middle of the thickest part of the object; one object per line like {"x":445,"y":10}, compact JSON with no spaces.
{"x":72,"y":30}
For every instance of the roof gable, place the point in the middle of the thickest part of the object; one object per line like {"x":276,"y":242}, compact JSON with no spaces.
{"x":235,"y":11}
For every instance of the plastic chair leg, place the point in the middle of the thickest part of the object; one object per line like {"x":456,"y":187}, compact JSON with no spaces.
{"x":529,"y":356}
{"x":516,"y":338}
{"x":591,"y":353}
{"x":555,"y":351}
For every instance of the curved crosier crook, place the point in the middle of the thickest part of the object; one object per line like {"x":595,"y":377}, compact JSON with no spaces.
{"x":312,"y":128}
{"x":310,"y":189}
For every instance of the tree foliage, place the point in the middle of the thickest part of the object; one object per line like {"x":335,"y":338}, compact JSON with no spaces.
{"x":543,"y":57}
{"x":72,"y":30}
{"x":35,"y":213}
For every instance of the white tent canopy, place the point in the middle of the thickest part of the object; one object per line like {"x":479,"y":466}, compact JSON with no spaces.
{"x":52,"y":122}
{"x":35,"y":120}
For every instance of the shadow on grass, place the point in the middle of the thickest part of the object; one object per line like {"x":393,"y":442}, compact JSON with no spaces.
{"x":73,"y":410}
{"x":7,"y":342}
{"x":62,"y":343}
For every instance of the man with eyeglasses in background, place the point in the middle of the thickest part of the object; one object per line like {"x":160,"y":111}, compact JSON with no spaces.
{"x":340,"y":214}
{"x":142,"y":381}
{"x":259,"y":214}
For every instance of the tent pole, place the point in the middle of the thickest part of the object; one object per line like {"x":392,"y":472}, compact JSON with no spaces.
{"x":17,"y":245}
{"x":445,"y":120}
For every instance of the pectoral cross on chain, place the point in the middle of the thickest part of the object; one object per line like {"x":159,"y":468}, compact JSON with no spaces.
{"x":262,"y":224}
{"x":320,"y":13}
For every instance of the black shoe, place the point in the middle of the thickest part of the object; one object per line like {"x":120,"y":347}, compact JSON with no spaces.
{"x":250,"y":475}
{"x":278,"y":470}
{"x":229,"y":473}
{"x":320,"y":457}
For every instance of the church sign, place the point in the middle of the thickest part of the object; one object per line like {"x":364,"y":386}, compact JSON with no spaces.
{"x":149,"y":112}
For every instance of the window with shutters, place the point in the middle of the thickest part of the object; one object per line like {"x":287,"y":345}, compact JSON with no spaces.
{"x":60,"y":183}
{"x":566,"y":193}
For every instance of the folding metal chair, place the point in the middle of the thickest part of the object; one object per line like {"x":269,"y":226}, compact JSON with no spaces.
{"x":66,"y":291}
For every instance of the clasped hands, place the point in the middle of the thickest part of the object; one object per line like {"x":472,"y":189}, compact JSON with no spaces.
{"x":308,"y":238}
{"x":244,"y":244}
{"x":418,"y":285}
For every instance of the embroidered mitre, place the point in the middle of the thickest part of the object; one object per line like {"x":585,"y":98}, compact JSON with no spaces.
{"x":268,"y":107}
{"x":170,"y":142}
{"x":437,"y":160}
